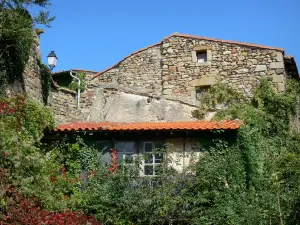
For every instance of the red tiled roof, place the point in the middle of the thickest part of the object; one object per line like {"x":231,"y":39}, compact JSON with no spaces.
{"x":193,"y":37}
{"x":139,"y":126}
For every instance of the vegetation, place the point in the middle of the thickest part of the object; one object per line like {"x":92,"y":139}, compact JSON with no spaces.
{"x":45,"y":80}
{"x":16,"y":36}
{"x":65,"y":80}
{"x":253,"y":178}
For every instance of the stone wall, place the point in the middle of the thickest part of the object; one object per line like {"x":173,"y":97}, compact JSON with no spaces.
{"x":241,"y":67}
{"x":31,"y":76}
{"x":159,"y":83}
{"x":139,"y":70}
{"x":63,"y":103}
{"x":30,"y":83}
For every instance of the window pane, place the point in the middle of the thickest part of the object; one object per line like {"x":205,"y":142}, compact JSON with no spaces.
{"x":120,"y":146}
{"x":158,"y":146}
{"x":148,"y":158}
{"x":120,"y":156}
{"x":148,"y":169}
{"x":148,"y":147}
{"x":129,"y":146}
{"x":158,"y":158}
{"x":201,"y":57}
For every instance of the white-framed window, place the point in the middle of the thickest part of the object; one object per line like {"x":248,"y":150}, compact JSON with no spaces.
{"x":201,"y":56}
{"x":153,"y":158}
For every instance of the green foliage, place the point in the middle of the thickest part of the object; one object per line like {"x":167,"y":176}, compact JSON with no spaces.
{"x":256,"y":180}
{"x":123,"y":198}
{"x":219,"y":94}
{"x":248,"y":177}
{"x":16,"y":37}
{"x":21,"y":5}
{"x":45,"y":73}
{"x":65,"y":80}
{"x":74,"y":84}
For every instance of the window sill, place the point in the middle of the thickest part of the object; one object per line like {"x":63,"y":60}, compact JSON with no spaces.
{"x":207,"y":63}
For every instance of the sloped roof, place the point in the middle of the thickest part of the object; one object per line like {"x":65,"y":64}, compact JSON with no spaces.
{"x":147,"y":126}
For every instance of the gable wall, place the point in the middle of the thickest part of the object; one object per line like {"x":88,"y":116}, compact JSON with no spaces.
{"x":141,"y":70}
{"x":239,"y":66}
{"x":148,"y":85}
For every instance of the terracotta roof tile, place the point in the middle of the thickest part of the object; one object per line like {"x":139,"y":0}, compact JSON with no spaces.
{"x":139,"y":126}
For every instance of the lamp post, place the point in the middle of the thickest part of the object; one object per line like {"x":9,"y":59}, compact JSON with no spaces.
{"x":52,"y":60}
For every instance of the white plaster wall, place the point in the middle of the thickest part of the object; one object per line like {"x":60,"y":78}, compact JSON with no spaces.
{"x":117,"y":106}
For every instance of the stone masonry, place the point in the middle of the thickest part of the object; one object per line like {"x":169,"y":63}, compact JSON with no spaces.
{"x":159,"y":83}
{"x":30,"y":83}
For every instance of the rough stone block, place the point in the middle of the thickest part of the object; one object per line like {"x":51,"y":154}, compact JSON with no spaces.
{"x":242,"y":71}
{"x":205,"y":81}
{"x":167,"y":91}
{"x":278,"y":78}
{"x":260,"y":68}
{"x":276,"y":65}
{"x":226,"y":52}
{"x":190,"y":88}
{"x":172,"y":68}
{"x":279,"y":56}
{"x":280,"y":87}
{"x":202,"y":48}
{"x":253,"y":61}
{"x":279,"y":71}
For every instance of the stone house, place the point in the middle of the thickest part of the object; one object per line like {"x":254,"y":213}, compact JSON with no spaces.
{"x":147,"y":98}
{"x":162,"y":82}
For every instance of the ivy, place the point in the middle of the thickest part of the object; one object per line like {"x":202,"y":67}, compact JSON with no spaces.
{"x":16,"y":38}
{"x":218,"y":96}
{"x":45,"y":74}
{"x":74,"y":84}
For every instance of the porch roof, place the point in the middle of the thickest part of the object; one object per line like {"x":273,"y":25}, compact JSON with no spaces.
{"x":148,"y":126}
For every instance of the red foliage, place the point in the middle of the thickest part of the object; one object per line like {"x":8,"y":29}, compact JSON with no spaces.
{"x":14,"y":106}
{"x":22,"y":210}
{"x":113,"y":169}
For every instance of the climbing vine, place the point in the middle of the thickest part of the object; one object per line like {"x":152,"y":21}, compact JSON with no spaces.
{"x":45,"y":74}
{"x":217,"y":96}
{"x":74,"y":84}
{"x":16,"y":38}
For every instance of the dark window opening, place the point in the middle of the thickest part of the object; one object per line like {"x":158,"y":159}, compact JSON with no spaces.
{"x":201,"y":56}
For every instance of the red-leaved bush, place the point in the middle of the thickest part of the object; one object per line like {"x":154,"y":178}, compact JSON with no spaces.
{"x":22,"y":210}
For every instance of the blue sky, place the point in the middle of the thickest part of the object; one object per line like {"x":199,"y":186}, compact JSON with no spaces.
{"x":95,"y":34}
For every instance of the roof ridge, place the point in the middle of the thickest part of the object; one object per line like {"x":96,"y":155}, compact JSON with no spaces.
{"x":224,"y":41}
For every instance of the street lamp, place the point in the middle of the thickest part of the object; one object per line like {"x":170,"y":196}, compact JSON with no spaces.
{"x":52,"y":60}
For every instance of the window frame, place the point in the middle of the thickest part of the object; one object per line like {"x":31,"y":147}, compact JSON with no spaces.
{"x":153,"y":163}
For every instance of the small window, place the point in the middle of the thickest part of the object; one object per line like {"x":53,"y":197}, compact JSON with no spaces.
{"x":201,"y":56}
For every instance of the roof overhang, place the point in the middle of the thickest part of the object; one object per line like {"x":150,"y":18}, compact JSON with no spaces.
{"x":150,"y":126}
